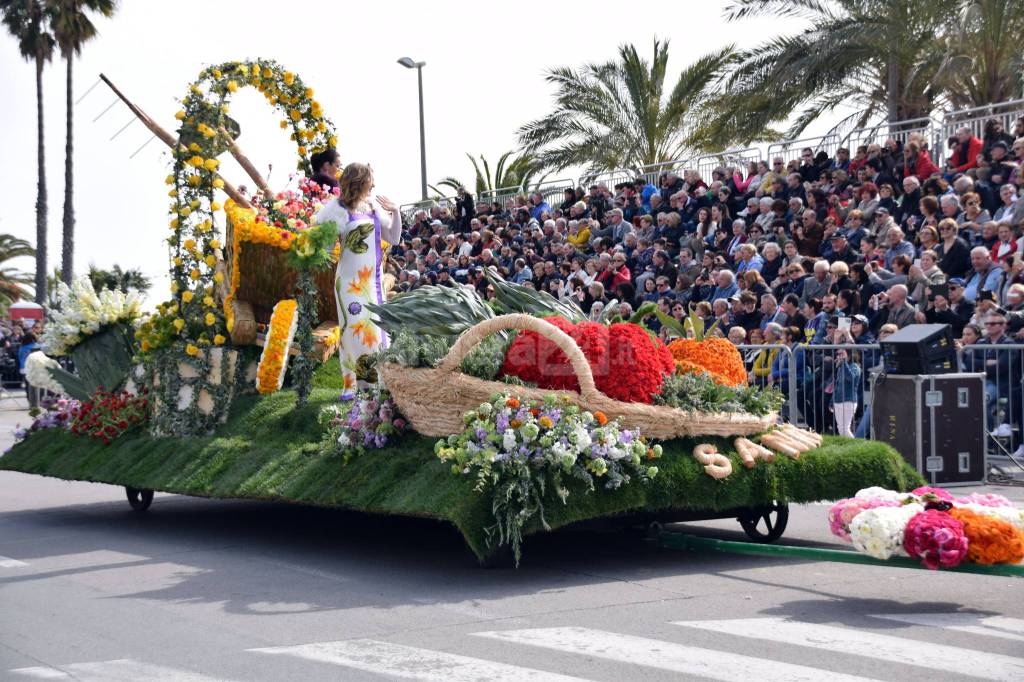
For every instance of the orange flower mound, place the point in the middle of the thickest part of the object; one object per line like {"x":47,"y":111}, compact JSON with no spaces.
{"x":990,"y":540}
{"x":717,"y":357}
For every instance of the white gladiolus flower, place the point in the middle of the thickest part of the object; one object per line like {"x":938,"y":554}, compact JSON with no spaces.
{"x":508,"y":440}
{"x":80,"y":312}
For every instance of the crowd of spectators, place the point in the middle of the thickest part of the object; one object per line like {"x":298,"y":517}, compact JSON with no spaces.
{"x":775,"y":252}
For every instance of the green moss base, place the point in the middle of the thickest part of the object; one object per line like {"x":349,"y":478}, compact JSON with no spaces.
{"x":269,"y":450}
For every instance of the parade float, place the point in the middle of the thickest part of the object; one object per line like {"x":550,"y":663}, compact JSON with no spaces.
{"x":504,"y":418}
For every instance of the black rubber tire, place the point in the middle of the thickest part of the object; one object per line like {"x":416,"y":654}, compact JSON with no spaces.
{"x":766,"y":524}
{"x":501,"y":558}
{"x":139,"y":499}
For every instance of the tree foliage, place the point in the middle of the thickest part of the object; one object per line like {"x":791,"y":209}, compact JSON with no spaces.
{"x":13,"y":281}
{"x":886,"y":60}
{"x":624,"y":113}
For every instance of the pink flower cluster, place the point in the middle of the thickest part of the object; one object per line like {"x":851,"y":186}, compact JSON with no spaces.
{"x":936,"y":538}
{"x":985,"y":500}
{"x":843,"y":512}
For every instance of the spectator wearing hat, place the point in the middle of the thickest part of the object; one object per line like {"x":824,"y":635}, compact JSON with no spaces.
{"x":1001,"y":165}
{"x":838,"y":248}
{"x":1003,"y":373}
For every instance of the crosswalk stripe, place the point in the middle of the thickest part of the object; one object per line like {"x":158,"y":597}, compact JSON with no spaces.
{"x":412,"y":663}
{"x":949,"y":659}
{"x":6,"y":562}
{"x":121,"y":670}
{"x":653,"y":653}
{"x":973,"y":623}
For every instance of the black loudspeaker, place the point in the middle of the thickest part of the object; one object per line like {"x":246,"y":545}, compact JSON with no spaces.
{"x":920,"y":349}
{"x":936,"y":422}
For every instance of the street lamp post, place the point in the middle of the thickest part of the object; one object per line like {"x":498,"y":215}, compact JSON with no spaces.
{"x":410,"y":64}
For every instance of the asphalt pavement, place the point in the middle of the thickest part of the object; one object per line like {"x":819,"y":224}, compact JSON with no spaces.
{"x":205,"y":590}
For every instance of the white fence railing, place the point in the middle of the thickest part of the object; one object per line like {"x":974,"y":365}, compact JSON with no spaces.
{"x":935,"y":131}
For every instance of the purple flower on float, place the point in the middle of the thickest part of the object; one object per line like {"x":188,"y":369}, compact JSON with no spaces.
{"x":354,"y":308}
{"x":626,"y":437}
{"x":481,"y":434}
{"x":501,"y":423}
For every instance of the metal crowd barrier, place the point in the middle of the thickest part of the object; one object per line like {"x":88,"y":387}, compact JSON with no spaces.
{"x":808,"y":385}
{"x":808,"y":389}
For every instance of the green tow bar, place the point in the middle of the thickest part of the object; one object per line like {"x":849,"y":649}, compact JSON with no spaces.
{"x":674,"y":540}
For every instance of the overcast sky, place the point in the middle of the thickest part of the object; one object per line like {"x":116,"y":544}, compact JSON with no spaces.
{"x":483,"y":79}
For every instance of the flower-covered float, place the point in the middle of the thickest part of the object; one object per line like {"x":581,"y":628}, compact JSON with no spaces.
{"x":505,"y":418}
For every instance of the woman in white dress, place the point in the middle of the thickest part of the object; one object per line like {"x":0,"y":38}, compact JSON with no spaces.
{"x":359,"y":278}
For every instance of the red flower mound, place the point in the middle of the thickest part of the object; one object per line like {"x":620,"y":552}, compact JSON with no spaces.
{"x":627,"y":364}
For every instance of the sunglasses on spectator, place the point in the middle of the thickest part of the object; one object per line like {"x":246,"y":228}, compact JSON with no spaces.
{"x":994,"y":323}
{"x":972,"y":203}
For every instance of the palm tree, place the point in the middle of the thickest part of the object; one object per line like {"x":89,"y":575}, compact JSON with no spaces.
{"x":116,"y":278}
{"x":72,"y":28}
{"x":891,"y":60}
{"x":12,"y":280}
{"x":516,"y":173}
{"x":26,"y":21}
{"x":990,"y":60}
{"x":620,"y":114}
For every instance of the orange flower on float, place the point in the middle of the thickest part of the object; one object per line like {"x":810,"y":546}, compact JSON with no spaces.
{"x":601,"y":418}
{"x":364,"y":328}
{"x":360,"y":286}
{"x":718,"y":357}
{"x":513,"y":403}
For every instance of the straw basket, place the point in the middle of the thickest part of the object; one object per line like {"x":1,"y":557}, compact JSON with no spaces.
{"x":434,"y":400}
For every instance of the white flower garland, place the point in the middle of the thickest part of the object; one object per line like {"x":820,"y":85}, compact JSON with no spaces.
{"x":81,"y":312}
{"x":37,"y":374}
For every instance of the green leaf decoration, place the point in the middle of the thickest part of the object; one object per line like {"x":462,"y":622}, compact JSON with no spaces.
{"x":355,"y":240}
{"x":71,"y":384}
{"x":104,"y":359}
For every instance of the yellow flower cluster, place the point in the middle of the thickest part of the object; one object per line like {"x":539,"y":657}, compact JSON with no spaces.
{"x":274,"y":360}
{"x":194,"y":237}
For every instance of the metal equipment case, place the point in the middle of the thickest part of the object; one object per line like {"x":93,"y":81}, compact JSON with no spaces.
{"x":937,"y":422}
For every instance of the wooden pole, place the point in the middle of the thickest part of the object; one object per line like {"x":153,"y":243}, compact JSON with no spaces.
{"x":246,"y":164}
{"x":170,"y":141}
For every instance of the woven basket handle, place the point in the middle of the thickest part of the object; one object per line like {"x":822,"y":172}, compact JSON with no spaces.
{"x":478,"y":332}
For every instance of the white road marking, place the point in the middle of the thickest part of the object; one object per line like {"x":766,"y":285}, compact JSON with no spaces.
{"x":6,"y":562}
{"x":950,"y":659}
{"x":412,"y":663}
{"x":653,"y":653}
{"x":121,"y":670}
{"x":974,"y":623}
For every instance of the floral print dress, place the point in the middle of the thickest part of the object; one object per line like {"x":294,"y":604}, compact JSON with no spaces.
{"x":357,"y":282}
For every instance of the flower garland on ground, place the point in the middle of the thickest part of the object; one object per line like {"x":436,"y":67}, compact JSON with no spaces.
{"x":205,"y":132}
{"x":521,"y":449}
{"x":372,"y":421}
{"x":274,"y":359}
{"x":80,"y":311}
{"x":932,"y":525}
